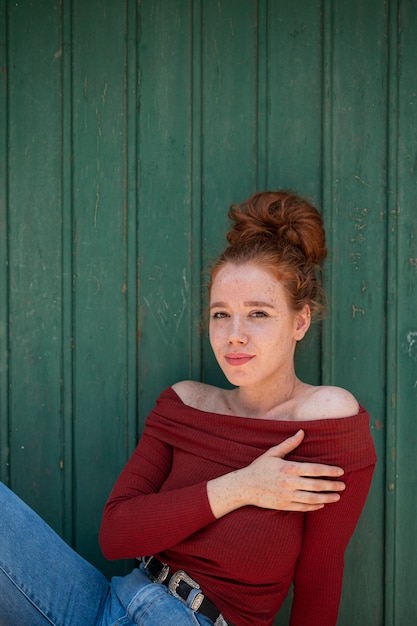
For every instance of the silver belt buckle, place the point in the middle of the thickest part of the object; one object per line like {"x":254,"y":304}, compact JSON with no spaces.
{"x":162,"y":574}
{"x":175,"y":581}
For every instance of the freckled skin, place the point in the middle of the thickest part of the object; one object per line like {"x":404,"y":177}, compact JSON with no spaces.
{"x":250,"y":316}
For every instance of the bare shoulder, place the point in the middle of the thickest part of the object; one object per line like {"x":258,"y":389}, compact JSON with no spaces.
{"x":328,"y":402}
{"x":186,"y":389}
{"x":198,"y":395}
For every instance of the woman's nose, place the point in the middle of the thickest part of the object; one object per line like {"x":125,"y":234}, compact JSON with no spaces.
{"x":237,"y":332}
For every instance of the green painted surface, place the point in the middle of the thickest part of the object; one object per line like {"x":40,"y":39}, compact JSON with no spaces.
{"x":126,"y":130}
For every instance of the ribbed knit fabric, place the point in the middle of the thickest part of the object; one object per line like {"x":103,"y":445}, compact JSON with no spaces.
{"x":246,"y":561}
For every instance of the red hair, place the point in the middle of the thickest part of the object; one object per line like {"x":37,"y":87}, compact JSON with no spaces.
{"x":284,"y":234}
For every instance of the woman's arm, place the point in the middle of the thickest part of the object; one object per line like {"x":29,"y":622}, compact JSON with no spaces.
{"x":271,"y":482}
{"x":319,"y":570}
{"x":139,"y":520}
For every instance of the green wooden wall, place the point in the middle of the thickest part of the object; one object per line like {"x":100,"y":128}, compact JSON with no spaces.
{"x":126,"y":130}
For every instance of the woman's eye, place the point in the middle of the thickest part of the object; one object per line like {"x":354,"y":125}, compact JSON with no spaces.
{"x":258,"y":314}
{"x":219,"y":315}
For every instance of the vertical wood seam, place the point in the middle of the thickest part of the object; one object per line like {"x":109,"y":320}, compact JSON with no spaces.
{"x":138,"y":185}
{"x":327,"y":370}
{"x":196,"y":295}
{"x":392,"y":310}
{"x":131,"y":225}
{"x":67,"y":375}
{"x":4,"y":261}
{"x":262,"y":174}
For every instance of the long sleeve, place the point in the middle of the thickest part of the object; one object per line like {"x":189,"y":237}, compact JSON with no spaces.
{"x":319,"y":569}
{"x":138,"y":519}
{"x":159,"y":505}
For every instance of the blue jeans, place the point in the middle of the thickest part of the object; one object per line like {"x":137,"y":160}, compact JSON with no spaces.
{"x":43,"y":582}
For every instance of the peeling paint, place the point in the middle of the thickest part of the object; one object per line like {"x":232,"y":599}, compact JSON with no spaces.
{"x":360,"y":223}
{"x":410,"y":344}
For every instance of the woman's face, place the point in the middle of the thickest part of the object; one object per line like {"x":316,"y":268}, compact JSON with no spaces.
{"x":253,"y":331}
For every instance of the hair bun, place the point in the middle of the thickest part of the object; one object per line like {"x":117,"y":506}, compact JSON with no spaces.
{"x":281,"y":216}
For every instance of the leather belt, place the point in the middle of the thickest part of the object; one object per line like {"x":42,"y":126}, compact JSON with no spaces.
{"x":181,"y":586}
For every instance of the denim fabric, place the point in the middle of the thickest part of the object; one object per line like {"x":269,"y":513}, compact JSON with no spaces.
{"x":43,"y":582}
{"x":149,"y":604}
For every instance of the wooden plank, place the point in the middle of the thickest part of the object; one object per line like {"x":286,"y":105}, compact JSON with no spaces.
{"x":404,"y":344}
{"x":198,"y":287}
{"x":67,"y":382}
{"x":294,"y":135}
{"x":294,"y":130}
{"x":166,"y":216}
{"x":294,"y":84}
{"x":229,"y":127}
{"x":131,"y":157}
{"x":294,"y":73}
{"x":354,"y":347}
{"x":4,"y":277}
{"x":101,"y":424}
{"x":34,"y":230}
{"x":392,"y":317}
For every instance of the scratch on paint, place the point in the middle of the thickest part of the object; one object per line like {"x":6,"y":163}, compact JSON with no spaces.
{"x":98,"y":165}
{"x":410,"y":348}
{"x":168,"y":321}
{"x":359,"y":218}
{"x":355,"y":258}
{"x":359,"y":238}
{"x":103,"y":97}
{"x":97,"y":285}
{"x":96,"y":206}
{"x":362,"y":181}
{"x":355,"y":310}
{"x":410,"y":344}
{"x":98,"y":122}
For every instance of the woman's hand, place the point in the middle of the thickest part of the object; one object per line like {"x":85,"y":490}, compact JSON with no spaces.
{"x":271,"y":482}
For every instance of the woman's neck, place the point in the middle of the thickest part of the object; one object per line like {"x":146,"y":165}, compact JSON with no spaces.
{"x":257,"y":402}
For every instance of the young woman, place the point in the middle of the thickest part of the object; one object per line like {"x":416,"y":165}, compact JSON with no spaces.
{"x":231,"y":495}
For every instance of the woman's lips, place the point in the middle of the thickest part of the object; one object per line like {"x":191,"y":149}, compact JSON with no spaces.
{"x":238,"y":359}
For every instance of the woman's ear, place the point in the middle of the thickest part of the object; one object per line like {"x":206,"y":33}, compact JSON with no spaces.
{"x":303,"y":321}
